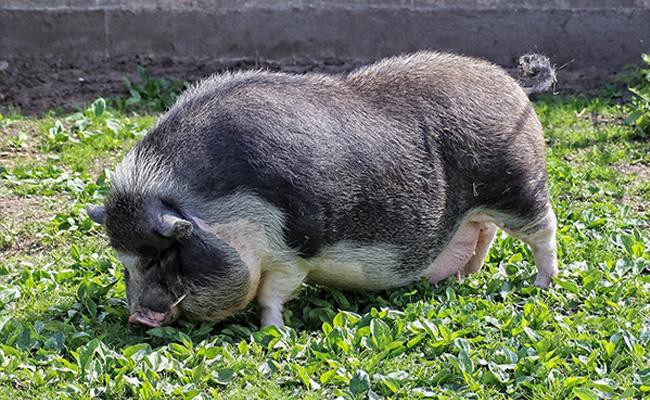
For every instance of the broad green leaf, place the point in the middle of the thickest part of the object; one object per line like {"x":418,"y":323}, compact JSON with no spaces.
{"x":360,"y":383}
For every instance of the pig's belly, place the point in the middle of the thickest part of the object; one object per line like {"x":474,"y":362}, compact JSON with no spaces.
{"x":348,"y":265}
{"x":375,"y":267}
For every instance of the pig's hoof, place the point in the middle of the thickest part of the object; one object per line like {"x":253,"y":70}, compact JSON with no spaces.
{"x":543,"y":281}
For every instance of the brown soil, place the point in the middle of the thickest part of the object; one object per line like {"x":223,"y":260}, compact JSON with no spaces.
{"x":18,"y":215}
{"x":35,"y":85}
{"x":642,"y":173}
{"x":8,"y":153}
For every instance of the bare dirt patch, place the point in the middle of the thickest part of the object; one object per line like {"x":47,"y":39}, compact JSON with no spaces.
{"x":37,"y":84}
{"x":642,"y":173}
{"x":640,"y":169}
{"x":18,"y":141}
{"x":599,"y":119}
{"x":18,"y":217}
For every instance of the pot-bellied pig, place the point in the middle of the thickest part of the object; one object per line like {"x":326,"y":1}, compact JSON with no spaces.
{"x":254,"y":182}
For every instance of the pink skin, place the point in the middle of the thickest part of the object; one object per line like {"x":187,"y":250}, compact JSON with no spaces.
{"x":152,"y":319}
{"x":147,"y":318}
{"x":456,"y":254}
{"x":470,"y":244}
{"x":486,"y":234}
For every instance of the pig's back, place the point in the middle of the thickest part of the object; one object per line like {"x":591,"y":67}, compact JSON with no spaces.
{"x":338,"y":168}
{"x":480,"y":121}
{"x":378,"y":157}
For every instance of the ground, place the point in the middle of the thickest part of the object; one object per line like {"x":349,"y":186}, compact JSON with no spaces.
{"x":64,"y":334}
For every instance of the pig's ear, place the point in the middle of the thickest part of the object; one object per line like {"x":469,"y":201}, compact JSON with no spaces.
{"x":171,"y":225}
{"x":97,"y":213}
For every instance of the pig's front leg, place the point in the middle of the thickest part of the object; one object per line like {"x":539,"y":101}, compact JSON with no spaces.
{"x":279,"y":282}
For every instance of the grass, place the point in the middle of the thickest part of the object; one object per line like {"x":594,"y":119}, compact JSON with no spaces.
{"x":63,"y":329}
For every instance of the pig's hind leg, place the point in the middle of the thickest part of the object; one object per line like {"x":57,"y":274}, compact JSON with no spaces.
{"x":487,"y":232}
{"x":540,"y":236}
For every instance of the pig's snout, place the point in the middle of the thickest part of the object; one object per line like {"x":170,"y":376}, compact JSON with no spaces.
{"x":153,"y":319}
{"x":148,"y":318}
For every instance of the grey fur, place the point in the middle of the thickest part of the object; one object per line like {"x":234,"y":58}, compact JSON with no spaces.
{"x":537,"y":67}
{"x":387,"y":162}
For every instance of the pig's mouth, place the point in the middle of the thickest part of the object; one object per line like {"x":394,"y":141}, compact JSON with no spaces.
{"x":147,"y":318}
{"x":153,"y":319}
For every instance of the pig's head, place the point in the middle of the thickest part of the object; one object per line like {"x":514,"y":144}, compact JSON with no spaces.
{"x":173,"y":264}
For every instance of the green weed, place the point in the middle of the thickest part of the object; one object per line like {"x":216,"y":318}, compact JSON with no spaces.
{"x":63,"y":329}
{"x":150,"y":93}
{"x":639,"y":116}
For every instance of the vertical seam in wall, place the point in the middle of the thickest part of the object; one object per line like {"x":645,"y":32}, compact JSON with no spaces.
{"x":107,"y":32}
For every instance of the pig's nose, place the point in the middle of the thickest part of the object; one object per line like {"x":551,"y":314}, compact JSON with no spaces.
{"x":147,"y":318}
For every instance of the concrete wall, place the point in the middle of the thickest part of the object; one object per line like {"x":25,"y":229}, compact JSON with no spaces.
{"x":89,"y":44}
